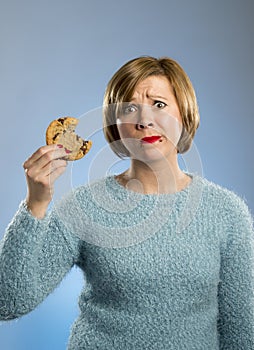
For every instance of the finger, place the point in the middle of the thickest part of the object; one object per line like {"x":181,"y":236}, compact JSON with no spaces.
{"x":48,"y":180}
{"x":44,"y":155}
{"x":56,"y":173}
{"x":43,"y":151}
{"x":37,"y":174}
{"x":53,"y":166}
{"x":38,"y":153}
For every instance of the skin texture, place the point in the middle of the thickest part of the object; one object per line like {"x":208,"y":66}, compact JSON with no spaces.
{"x":45,"y":165}
{"x":152,"y":111}
{"x":42,"y":169}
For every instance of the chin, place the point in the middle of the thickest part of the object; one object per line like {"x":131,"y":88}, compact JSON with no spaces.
{"x":154,"y":155}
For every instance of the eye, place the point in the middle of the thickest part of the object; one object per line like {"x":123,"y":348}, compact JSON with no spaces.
{"x":159,"y":104}
{"x":130,"y":109}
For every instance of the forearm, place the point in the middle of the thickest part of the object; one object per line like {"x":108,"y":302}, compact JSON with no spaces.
{"x":37,"y":209}
{"x":236,"y":289}
{"x":34,"y":257}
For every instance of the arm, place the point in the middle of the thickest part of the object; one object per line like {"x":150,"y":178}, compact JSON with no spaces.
{"x":35,"y":255}
{"x":236,"y":289}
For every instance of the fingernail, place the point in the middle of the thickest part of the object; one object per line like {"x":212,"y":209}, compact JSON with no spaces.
{"x":60,"y":146}
{"x":67,"y":150}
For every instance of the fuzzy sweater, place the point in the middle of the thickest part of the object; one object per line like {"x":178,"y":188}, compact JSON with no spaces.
{"x":162,"y":272}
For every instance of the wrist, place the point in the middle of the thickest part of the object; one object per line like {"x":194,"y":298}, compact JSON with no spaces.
{"x":37,"y":209}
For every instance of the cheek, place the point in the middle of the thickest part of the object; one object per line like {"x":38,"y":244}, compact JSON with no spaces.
{"x":128,"y":137}
{"x":172,"y":128}
{"x":125,"y":129}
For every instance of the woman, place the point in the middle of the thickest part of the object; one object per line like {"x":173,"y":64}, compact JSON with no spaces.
{"x":167,"y":255}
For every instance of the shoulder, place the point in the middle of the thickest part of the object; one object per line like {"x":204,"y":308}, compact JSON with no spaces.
{"x":222,"y":194}
{"x":229,"y":204}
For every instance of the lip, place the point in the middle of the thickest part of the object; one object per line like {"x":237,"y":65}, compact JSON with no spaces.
{"x":151,"y":139}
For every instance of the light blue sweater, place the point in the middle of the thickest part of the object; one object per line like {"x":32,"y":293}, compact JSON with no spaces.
{"x":162,"y":272}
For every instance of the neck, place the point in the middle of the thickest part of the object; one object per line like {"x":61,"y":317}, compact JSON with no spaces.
{"x":159,"y":177}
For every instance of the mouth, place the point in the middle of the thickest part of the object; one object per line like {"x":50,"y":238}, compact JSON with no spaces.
{"x":151,"y":139}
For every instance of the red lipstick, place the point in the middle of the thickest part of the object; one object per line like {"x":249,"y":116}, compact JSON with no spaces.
{"x":151,"y":139}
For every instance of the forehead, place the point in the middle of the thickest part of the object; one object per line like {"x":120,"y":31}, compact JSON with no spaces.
{"x":153,"y":85}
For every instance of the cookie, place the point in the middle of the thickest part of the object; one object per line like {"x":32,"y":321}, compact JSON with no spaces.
{"x":62,"y":131}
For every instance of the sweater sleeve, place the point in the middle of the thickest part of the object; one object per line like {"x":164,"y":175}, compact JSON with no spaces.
{"x":236,"y":288}
{"x":35,"y":255}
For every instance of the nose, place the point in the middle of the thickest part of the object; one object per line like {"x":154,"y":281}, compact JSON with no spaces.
{"x":142,"y":125}
{"x":145,"y":119}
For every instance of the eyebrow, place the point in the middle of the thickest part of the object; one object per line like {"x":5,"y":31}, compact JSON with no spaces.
{"x":154,"y":97}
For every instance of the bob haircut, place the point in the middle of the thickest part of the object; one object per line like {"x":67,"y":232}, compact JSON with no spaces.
{"x":121,"y":88}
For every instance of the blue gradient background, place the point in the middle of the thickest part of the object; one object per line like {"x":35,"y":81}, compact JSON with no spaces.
{"x":56,"y":58}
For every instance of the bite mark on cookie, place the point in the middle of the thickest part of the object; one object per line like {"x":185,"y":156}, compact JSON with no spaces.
{"x":62,"y":131}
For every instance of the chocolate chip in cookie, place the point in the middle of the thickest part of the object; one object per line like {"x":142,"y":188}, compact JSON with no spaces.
{"x":62,"y":131}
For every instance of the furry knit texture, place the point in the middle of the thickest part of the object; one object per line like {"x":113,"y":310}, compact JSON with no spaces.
{"x":184,"y":282}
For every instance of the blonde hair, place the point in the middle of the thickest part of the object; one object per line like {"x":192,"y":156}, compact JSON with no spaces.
{"x":121,"y":88}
